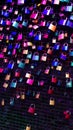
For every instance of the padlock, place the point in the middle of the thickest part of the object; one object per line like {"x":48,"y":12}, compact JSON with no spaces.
{"x":63,"y":56}
{"x":57,"y":46}
{"x":69,"y":83}
{"x":2,"y":102}
{"x":67,"y":75}
{"x":56,"y":2}
{"x":55,"y":62}
{"x":47,"y":70}
{"x":50,"y":50}
{"x":28,"y":127}
{"x":71,"y":63}
{"x":22,"y":95}
{"x":27,"y":61}
{"x":19,"y":37}
{"x":67,"y":114}
{"x":47,"y":10}
{"x":5,"y":60}
{"x":59,"y":82}
{"x":65,"y":47}
{"x":38,"y":36}
{"x":52,"y":101}
{"x":19,"y":18}
{"x":71,"y":39}
{"x":37,"y":96}
{"x":29,"y":55}
{"x":31,"y":109}
{"x":63,"y":21}
{"x":34,"y":14}
{"x":69,"y":23}
{"x":25,"y":51}
{"x":30,"y":81}
{"x":41,"y":83}
{"x":7,"y":77}
{"x":11,"y":101}
{"x":44,"y":57}
{"x":52,"y":26}
{"x":59,"y":67}
{"x":42,"y":23}
{"x":27,"y":10}
{"x":14,"y":24}
{"x":20,"y":2}
{"x":35,"y":56}
{"x":13,"y":83}
{"x":10,"y":64}
{"x":25,"y":23}
{"x":44,"y":2}
{"x":71,"y":52}
{"x":69,"y":7}
{"x":54,"y":40}
{"x":4,"y":49}
{"x":14,"y":52}
{"x":5,"y":85}
{"x":17,"y":73}
{"x":61,"y":35}
{"x":8,"y":22}
{"x":54,"y":79}
{"x":21,"y":64}
{"x":28,"y":74}
{"x":1,"y":69}
{"x":50,"y":90}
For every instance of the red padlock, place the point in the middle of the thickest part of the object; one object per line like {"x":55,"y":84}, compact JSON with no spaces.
{"x":51,"y":90}
{"x":17,"y":73}
{"x":54,"y":79}
{"x":31,"y":109}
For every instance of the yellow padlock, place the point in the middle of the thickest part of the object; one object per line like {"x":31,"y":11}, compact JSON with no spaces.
{"x":52,"y":102}
{"x":67,"y":75}
{"x":2,"y":102}
{"x":22,"y":95}
{"x":28,"y":127}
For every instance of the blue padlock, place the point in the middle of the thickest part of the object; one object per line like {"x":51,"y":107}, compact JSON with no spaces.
{"x":25,"y":23}
{"x":17,"y":46}
{"x":71,"y":17}
{"x":47,"y":10}
{"x":35,"y":56}
{"x":65,"y":47}
{"x":69,"y":23}
{"x":38,"y":36}
{"x":21,"y":64}
{"x":40,"y":48}
{"x":55,"y":62}
{"x":12,"y":101}
{"x":6,"y":14}
{"x":26,"y":10}
{"x":14,"y":24}
{"x":63,"y":56}
{"x":69,"y":83}
{"x":3,"y":22}
{"x":57,"y":46}
{"x":71,"y":52}
{"x":10,"y":47}
{"x":9,"y":1}
{"x":14,"y":33}
{"x":10,"y":64}
{"x":29,"y":55}
{"x":19,"y":18}
{"x":13,"y":83}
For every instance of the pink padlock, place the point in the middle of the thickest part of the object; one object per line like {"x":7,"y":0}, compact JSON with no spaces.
{"x":44,"y":2}
{"x":30,"y":81}
{"x":8,"y":22}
